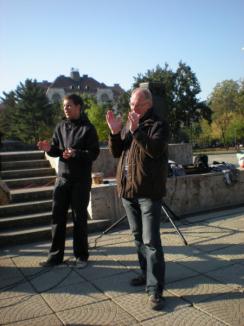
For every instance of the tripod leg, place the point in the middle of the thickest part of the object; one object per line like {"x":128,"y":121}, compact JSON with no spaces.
{"x":171,"y":212}
{"x":108,"y":229}
{"x":175,"y":227}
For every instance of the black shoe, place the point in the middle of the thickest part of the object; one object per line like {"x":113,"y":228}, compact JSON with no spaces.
{"x":50,"y":263}
{"x":139,"y":280}
{"x":156,"y":301}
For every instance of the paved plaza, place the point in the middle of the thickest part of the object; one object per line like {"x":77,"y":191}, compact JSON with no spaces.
{"x":204,"y":280}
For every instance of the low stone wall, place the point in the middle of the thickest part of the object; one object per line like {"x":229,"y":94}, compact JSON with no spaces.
{"x":106,"y":163}
{"x":201,"y":192}
{"x":185,"y":195}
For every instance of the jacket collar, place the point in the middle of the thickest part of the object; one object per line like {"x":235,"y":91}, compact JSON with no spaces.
{"x":147,"y":115}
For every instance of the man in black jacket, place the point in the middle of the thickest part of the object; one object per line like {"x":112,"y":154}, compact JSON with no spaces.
{"x":75,"y":142}
{"x":141,"y":177}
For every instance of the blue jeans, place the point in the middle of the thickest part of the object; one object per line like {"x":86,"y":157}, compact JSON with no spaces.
{"x":144,"y":215}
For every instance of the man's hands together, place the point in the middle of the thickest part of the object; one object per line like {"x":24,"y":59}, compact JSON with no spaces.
{"x":44,"y":145}
{"x":115,"y":123}
{"x":68,"y":153}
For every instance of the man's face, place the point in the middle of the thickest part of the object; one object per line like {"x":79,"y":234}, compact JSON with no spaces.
{"x":139,"y":104}
{"x":71,"y":110}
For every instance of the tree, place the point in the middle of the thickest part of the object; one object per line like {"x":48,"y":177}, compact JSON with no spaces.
{"x":240,"y":99}
{"x":122,"y":105}
{"x":7,"y":127}
{"x":96,"y":114}
{"x":225,"y":102}
{"x":30,"y":115}
{"x":180,"y":91}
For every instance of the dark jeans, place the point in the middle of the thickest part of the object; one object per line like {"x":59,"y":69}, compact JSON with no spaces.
{"x":144,"y":216}
{"x":76,"y":195}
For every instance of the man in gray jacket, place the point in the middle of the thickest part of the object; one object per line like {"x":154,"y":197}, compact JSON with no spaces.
{"x":141,"y":177}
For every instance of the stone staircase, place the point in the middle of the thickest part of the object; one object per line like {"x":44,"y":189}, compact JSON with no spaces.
{"x":27,"y":217}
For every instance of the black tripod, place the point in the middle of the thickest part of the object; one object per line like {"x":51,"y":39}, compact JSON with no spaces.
{"x":167,"y":212}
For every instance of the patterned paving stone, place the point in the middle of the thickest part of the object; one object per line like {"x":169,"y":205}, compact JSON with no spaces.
{"x":203,"y":263}
{"x":232,"y":275}
{"x":29,"y":264}
{"x":204,"y":231}
{"x":175,"y":271}
{"x":233,"y":237}
{"x":198,"y":288}
{"x":19,"y":288}
{"x":9,"y":273}
{"x":110,"y":239}
{"x":21,"y":308}
{"x":54,"y":277}
{"x":173,"y":239}
{"x":218,"y":243}
{"x":100,"y":268}
{"x":183,"y":317}
{"x":234,"y":253}
{"x":179,"y":253}
{"x":136,"y":304}
{"x":73,"y":296}
{"x":228,"y":308}
{"x":233,"y":222}
{"x":102,"y":313}
{"x":216,"y":216}
{"x":117,"y":285}
{"x":49,"y":320}
{"x":125,"y":254}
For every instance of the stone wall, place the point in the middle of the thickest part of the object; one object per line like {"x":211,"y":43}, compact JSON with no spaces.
{"x":185,"y":195}
{"x":201,"y":192}
{"x":106,"y":163}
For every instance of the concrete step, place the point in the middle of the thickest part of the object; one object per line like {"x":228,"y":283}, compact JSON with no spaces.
{"x":30,"y":182}
{"x":32,"y":207}
{"x":25,"y":221}
{"x":21,"y":165}
{"x":32,"y":194}
{"x":36,"y":234}
{"x":21,"y":156}
{"x":30,"y":173}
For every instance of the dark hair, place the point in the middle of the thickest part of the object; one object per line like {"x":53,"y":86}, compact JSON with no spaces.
{"x":76,"y":99}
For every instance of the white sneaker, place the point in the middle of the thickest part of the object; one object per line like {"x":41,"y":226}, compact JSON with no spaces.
{"x":81,"y":263}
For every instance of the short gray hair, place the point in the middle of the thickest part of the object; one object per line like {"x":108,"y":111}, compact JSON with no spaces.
{"x":145,"y":91}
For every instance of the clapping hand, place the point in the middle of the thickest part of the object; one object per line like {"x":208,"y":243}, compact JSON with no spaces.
{"x":114,"y":123}
{"x":44,"y":145}
{"x":133,"y":118}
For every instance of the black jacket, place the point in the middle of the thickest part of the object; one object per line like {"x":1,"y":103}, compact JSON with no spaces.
{"x":146,"y":152}
{"x":82,"y":136}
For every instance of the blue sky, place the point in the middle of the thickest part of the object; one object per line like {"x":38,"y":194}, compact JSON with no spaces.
{"x":113,"y":41}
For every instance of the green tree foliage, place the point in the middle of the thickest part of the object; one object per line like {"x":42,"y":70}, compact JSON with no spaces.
{"x":227,"y":103}
{"x":180,"y":96}
{"x":122,"y":105}
{"x":7,"y":127}
{"x":96,"y":114}
{"x":240,"y":99}
{"x":28,"y":113}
